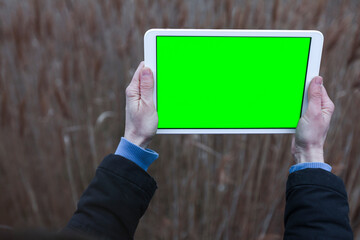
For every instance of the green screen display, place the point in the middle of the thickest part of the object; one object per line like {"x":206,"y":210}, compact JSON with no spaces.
{"x":230,"y":82}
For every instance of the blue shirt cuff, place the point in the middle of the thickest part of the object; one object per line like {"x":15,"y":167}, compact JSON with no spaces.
{"x":301,"y":166}
{"x":142,"y":157}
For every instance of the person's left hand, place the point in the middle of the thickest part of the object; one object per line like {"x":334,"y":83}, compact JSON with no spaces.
{"x":141,"y":116}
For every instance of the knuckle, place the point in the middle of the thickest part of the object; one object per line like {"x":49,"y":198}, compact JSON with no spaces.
{"x":331,"y":107}
{"x":316,"y":94}
{"x":128,"y":91}
{"x":146,"y":85}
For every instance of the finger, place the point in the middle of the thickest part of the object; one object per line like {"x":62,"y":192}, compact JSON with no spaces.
{"x":146,"y":84}
{"x":133,"y":90}
{"x":327,"y":106}
{"x":314,"y":97}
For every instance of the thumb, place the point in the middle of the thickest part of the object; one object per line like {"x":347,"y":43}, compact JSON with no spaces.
{"x":314,"y":97}
{"x":146,"y":84}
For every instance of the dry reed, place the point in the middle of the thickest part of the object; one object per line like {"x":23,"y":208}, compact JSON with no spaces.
{"x":64,"y":66}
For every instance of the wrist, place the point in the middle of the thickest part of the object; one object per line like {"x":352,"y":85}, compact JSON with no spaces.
{"x":140,"y":141}
{"x":309,"y":155}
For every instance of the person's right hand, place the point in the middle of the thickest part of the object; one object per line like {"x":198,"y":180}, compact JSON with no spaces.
{"x":308,"y":143}
{"x":141,"y":117}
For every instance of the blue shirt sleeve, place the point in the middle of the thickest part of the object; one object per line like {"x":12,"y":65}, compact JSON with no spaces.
{"x":142,"y":157}
{"x":301,"y":166}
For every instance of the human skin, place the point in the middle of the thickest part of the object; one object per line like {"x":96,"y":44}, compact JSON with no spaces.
{"x":311,"y":131}
{"x":141,"y":119}
{"x":307,"y":145}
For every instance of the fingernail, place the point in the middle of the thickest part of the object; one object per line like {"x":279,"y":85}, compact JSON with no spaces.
{"x":146,"y":72}
{"x":318,"y":81}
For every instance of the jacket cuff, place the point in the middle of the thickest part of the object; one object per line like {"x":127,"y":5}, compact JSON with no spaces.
{"x":127,"y":169}
{"x":316,"y":177}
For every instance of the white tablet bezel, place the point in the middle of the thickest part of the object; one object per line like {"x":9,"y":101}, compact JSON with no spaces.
{"x":312,"y":70}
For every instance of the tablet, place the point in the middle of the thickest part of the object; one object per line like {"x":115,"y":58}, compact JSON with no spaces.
{"x":231,"y":81}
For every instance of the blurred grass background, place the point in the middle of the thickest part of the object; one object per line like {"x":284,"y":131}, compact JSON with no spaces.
{"x":64,"y":65}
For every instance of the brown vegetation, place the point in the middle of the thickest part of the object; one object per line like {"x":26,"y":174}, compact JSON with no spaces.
{"x":64,"y":65}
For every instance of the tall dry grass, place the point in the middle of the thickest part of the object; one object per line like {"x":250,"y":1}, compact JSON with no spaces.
{"x":64,"y":65}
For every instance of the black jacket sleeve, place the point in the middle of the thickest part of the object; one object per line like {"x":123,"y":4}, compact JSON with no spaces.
{"x":115,"y":200}
{"x":316,"y":206}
